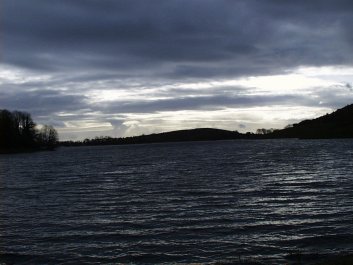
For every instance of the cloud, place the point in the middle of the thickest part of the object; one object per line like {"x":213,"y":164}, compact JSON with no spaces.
{"x":177,"y":37}
{"x":99,"y":63}
{"x":43,"y":103}
{"x":199,"y":103}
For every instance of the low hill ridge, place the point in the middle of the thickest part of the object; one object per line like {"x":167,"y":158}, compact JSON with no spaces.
{"x":338,"y":124}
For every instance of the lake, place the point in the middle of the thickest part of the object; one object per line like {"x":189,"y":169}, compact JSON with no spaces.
{"x":195,"y":202}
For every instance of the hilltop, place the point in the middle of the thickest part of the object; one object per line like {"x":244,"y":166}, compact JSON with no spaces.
{"x":338,"y":124}
{"x":199,"y":134}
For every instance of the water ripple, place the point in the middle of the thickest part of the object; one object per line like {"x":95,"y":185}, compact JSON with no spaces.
{"x":176,"y":203}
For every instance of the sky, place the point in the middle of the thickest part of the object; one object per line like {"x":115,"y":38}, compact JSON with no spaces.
{"x":129,"y":67}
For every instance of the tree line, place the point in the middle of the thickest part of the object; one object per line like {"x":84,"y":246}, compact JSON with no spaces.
{"x":19,"y":132}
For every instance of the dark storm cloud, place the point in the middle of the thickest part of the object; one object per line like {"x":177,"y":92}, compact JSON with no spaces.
{"x":42,"y":103}
{"x":179,"y":38}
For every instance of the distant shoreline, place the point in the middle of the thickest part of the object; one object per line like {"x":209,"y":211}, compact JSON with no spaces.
{"x":193,"y":135}
{"x":337,"y":125}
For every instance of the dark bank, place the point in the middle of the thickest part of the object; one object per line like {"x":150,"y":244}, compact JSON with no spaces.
{"x":338,"y":124}
{"x":18,"y":133}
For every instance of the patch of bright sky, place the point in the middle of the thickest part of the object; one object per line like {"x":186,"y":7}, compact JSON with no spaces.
{"x":339,"y":74}
{"x":87,"y":124}
{"x":282,"y":84}
{"x":299,"y":81}
{"x":252,"y":115}
{"x":13,"y":75}
{"x":97,"y":96}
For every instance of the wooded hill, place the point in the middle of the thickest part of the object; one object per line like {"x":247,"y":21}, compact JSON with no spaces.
{"x":338,"y":124}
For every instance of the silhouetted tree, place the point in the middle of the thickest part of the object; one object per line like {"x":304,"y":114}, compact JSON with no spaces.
{"x":18,"y":131}
{"x":48,"y":137}
{"x":265,"y":131}
{"x":26,"y":128}
{"x":7,"y":129}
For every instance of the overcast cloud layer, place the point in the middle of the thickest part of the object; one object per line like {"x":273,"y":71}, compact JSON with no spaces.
{"x":124,"y":67}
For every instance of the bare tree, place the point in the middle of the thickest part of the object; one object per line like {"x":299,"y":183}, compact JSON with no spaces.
{"x":48,"y":136}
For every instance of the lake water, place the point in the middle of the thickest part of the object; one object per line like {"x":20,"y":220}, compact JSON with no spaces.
{"x":197,"y":202}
